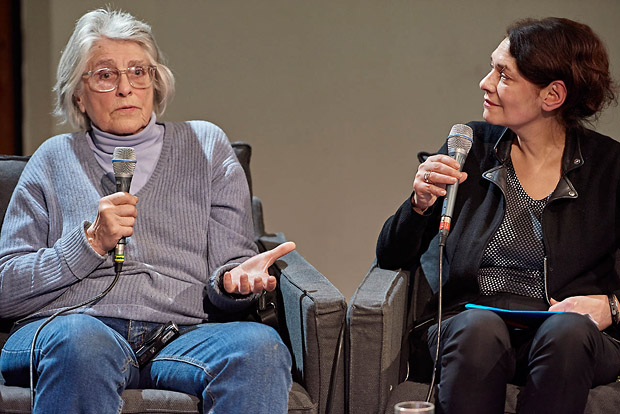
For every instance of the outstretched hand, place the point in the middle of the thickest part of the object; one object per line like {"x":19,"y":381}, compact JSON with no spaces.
{"x":252,"y":275}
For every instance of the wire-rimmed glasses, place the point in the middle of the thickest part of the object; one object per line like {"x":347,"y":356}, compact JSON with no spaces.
{"x":107,"y":79}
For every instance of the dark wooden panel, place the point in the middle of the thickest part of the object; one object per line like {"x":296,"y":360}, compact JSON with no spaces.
{"x":10,"y":77}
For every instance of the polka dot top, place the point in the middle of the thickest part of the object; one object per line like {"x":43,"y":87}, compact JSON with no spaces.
{"x":513,"y":260}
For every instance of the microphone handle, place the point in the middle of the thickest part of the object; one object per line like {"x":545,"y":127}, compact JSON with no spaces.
{"x":123,"y":183}
{"x":449,"y":201}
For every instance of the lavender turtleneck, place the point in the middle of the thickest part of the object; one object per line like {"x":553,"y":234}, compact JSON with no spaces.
{"x":147,"y":143}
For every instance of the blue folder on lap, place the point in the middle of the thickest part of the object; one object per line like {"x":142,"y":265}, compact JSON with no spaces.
{"x":517,"y":318}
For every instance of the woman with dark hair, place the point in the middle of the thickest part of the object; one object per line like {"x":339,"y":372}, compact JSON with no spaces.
{"x":535,"y":227}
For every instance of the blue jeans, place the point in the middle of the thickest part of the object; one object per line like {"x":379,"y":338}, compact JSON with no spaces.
{"x":83,"y":364}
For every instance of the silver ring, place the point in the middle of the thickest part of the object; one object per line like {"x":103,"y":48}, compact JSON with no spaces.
{"x":426,"y":177}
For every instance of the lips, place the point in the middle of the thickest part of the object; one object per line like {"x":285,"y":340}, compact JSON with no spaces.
{"x":126,"y":109}
{"x":487,"y":102}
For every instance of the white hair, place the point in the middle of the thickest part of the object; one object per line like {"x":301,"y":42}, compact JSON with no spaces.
{"x":89,"y":29}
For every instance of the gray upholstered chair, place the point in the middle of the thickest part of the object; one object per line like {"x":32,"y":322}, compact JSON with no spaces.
{"x":381,"y":372}
{"x":310,"y":313}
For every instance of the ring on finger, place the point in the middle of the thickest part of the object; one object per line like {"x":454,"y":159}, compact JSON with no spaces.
{"x":427,"y":176}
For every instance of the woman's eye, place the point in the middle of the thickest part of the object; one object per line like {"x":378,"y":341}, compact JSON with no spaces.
{"x":104,"y":75}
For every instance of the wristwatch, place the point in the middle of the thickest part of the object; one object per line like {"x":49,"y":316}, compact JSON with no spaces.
{"x":613,"y":307}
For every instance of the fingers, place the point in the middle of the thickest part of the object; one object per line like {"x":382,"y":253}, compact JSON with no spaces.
{"x":432,"y":177}
{"x":116,"y":217}
{"x":440,"y":169}
{"x":242,"y":286}
{"x":247,"y":285}
{"x":282,"y":249}
{"x":229,"y":286}
{"x":556,"y":306}
{"x":567,"y":305}
{"x":272,"y":282}
{"x":279,"y":251}
{"x":122,"y":198}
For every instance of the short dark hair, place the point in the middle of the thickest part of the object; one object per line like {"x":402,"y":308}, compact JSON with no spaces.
{"x":555,"y":48}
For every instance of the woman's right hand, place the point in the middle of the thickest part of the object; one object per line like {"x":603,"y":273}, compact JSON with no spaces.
{"x":116,"y":216}
{"x":431,"y":179}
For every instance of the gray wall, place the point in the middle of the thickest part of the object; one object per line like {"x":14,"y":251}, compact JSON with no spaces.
{"x":336,"y":97}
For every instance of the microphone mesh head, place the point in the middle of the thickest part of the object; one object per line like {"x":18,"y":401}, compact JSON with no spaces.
{"x":124,"y":161}
{"x":461,"y":137}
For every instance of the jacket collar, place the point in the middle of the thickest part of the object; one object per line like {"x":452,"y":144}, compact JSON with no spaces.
{"x":571,"y":159}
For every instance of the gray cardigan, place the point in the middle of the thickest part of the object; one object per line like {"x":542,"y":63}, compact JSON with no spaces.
{"x":193,"y":223}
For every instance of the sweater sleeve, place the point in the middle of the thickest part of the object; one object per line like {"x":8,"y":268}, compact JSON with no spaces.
{"x":231,"y":234}
{"x":401,"y":240}
{"x":406,"y":234}
{"x":35,"y":268}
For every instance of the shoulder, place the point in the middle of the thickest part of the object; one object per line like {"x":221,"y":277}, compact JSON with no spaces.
{"x":56,"y":150}
{"x":201,"y":129}
{"x":202,"y":140}
{"x":485,"y":133}
{"x":592,"y":140}
{"x":208,"y":135}
{"x":600,"y":152}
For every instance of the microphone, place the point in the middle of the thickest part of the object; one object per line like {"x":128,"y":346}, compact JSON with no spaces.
{"x":460,"y":140}
{"x":123,"y":163}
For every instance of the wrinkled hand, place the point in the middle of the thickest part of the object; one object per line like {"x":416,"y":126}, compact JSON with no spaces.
{"x":597,"y":306}
{"x":116,"y":216}
{"x":252,"y":275}
{"x":431,"y":179}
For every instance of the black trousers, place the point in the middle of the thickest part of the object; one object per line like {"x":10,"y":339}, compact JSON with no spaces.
{"x":557,"y":363}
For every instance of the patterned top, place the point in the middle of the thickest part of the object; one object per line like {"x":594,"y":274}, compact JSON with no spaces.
{"x":513,"y":260}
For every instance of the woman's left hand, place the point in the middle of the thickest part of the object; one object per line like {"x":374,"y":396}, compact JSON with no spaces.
{"x":252,"y":275}
{"x":597,"y":306}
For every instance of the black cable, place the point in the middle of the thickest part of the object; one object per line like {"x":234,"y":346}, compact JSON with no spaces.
{"x":59,"y":312}
{"x":439,"y":312}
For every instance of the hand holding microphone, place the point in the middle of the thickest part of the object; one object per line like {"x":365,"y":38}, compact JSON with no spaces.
{"x":117,"y":212}
{"x":439,"y":173}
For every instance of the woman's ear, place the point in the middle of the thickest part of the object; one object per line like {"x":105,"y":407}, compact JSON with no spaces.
{"x":77,"y":99}
{"x":554,"y":95}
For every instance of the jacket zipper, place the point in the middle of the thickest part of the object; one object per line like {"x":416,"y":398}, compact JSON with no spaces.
{"x":545,"y":276}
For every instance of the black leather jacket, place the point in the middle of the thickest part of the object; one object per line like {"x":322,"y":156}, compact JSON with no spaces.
{"x":580,"y":223}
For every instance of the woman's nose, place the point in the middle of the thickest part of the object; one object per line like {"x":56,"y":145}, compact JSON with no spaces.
{"x":124,"y":87}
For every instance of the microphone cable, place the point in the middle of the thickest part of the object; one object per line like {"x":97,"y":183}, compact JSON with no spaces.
{"x":460,"y":141}
{"x":123,"y":165}
{"x":439,"y":315}
{"x":52,"y":317}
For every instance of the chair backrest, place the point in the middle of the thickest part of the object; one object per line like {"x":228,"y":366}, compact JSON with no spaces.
{"x":243,"y":152}
{"x":11,"y":167}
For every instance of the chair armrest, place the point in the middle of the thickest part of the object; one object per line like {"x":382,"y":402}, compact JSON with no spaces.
{"x":314,"y":312}
{"x":376,"y":320}
{"x":258,"y":217}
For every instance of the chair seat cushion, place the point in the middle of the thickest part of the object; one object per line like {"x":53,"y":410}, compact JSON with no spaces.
{"x":299,"y":401}
{"x":16,"y":400}
{"x":603,"y":399}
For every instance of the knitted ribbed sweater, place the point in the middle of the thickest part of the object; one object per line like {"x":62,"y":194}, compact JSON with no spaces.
{"x":193,"y":223}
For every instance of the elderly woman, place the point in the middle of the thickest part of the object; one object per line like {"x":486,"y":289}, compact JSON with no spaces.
{"x":535,"y":227}
{"x":191,"y":243}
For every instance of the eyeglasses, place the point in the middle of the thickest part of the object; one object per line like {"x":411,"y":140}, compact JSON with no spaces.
{"x":107,"y":79}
